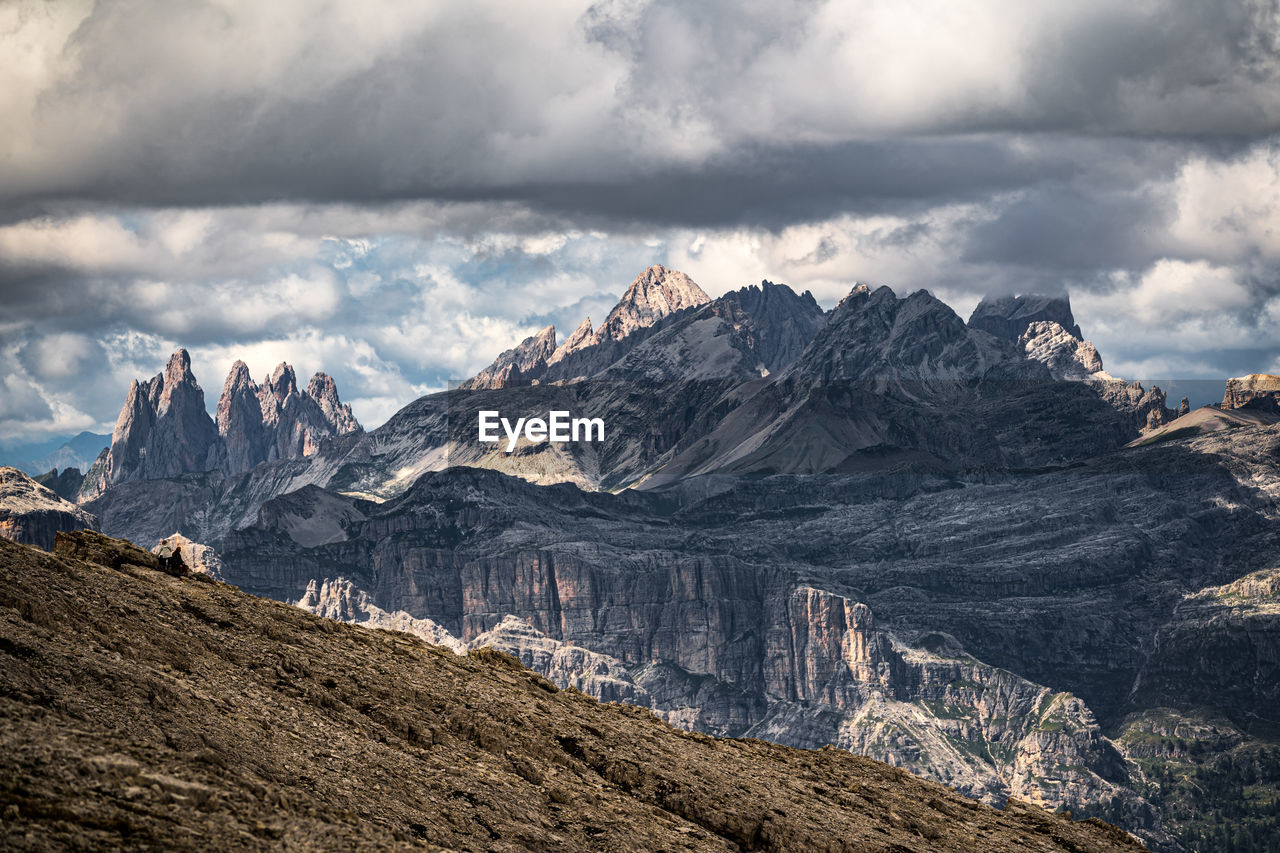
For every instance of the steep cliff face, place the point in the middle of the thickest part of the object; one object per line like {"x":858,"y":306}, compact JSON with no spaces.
{"x":32,"y":514}
{"x":1257,"y":390}
{"x":941,"y":714}
{"x":1219,"y":653}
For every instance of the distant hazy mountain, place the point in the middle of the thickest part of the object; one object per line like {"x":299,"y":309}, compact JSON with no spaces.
{"x":60,"y":452}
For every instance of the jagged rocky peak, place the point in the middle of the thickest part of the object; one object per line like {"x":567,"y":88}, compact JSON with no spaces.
{"x":782,"y":322}
{"x":1007,"y":317}
{"x":162,"y":431}
{"x":582,"y":337}
{"x":874,"y":335}
{"x":275,"y":420}
{"x":521,"y":364}
{"x":1257,"y":390}
{"x":32,"y":514}
{"x":654,"y":294}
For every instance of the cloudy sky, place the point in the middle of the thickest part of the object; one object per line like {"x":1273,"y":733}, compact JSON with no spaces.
{"x":395,"y":191}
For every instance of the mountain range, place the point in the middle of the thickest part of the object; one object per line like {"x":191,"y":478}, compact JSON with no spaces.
{"x":962,"y":547}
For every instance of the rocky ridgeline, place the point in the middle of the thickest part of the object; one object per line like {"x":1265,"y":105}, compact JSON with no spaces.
{"x":164,"y":430}
{"x":187,"y":713}
{"x":655,"y":294}
{"x":33,"y":514}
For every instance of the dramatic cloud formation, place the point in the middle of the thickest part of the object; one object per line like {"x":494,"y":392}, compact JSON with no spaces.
{"x":394,"y":191}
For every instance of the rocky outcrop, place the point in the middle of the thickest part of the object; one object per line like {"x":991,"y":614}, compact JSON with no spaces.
{"x":1066,"y":355}
{"x":520,"y":365}
{"x":1147,"y":408}
{"x":1257,"y":390}
{"x":338,"y":599}
{"x":195,"y":556}
{"x":33,"y":514}
{"x":567,"y":665}
{"x":582,"y":337}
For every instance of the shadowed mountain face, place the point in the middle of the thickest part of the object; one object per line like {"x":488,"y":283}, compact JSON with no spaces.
{"x":963,"y":548}
{"x":188,"y":710}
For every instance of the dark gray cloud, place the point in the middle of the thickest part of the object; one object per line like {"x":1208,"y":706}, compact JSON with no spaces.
{"x":669,"y":113}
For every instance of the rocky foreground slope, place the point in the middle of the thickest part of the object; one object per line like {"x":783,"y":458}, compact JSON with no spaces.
{"x":145,"y":710}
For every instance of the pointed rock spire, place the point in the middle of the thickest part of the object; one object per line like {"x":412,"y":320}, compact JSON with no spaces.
{"x":581,"y":337}
{"x":337,"y":415}
{"x":240,"y":420}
